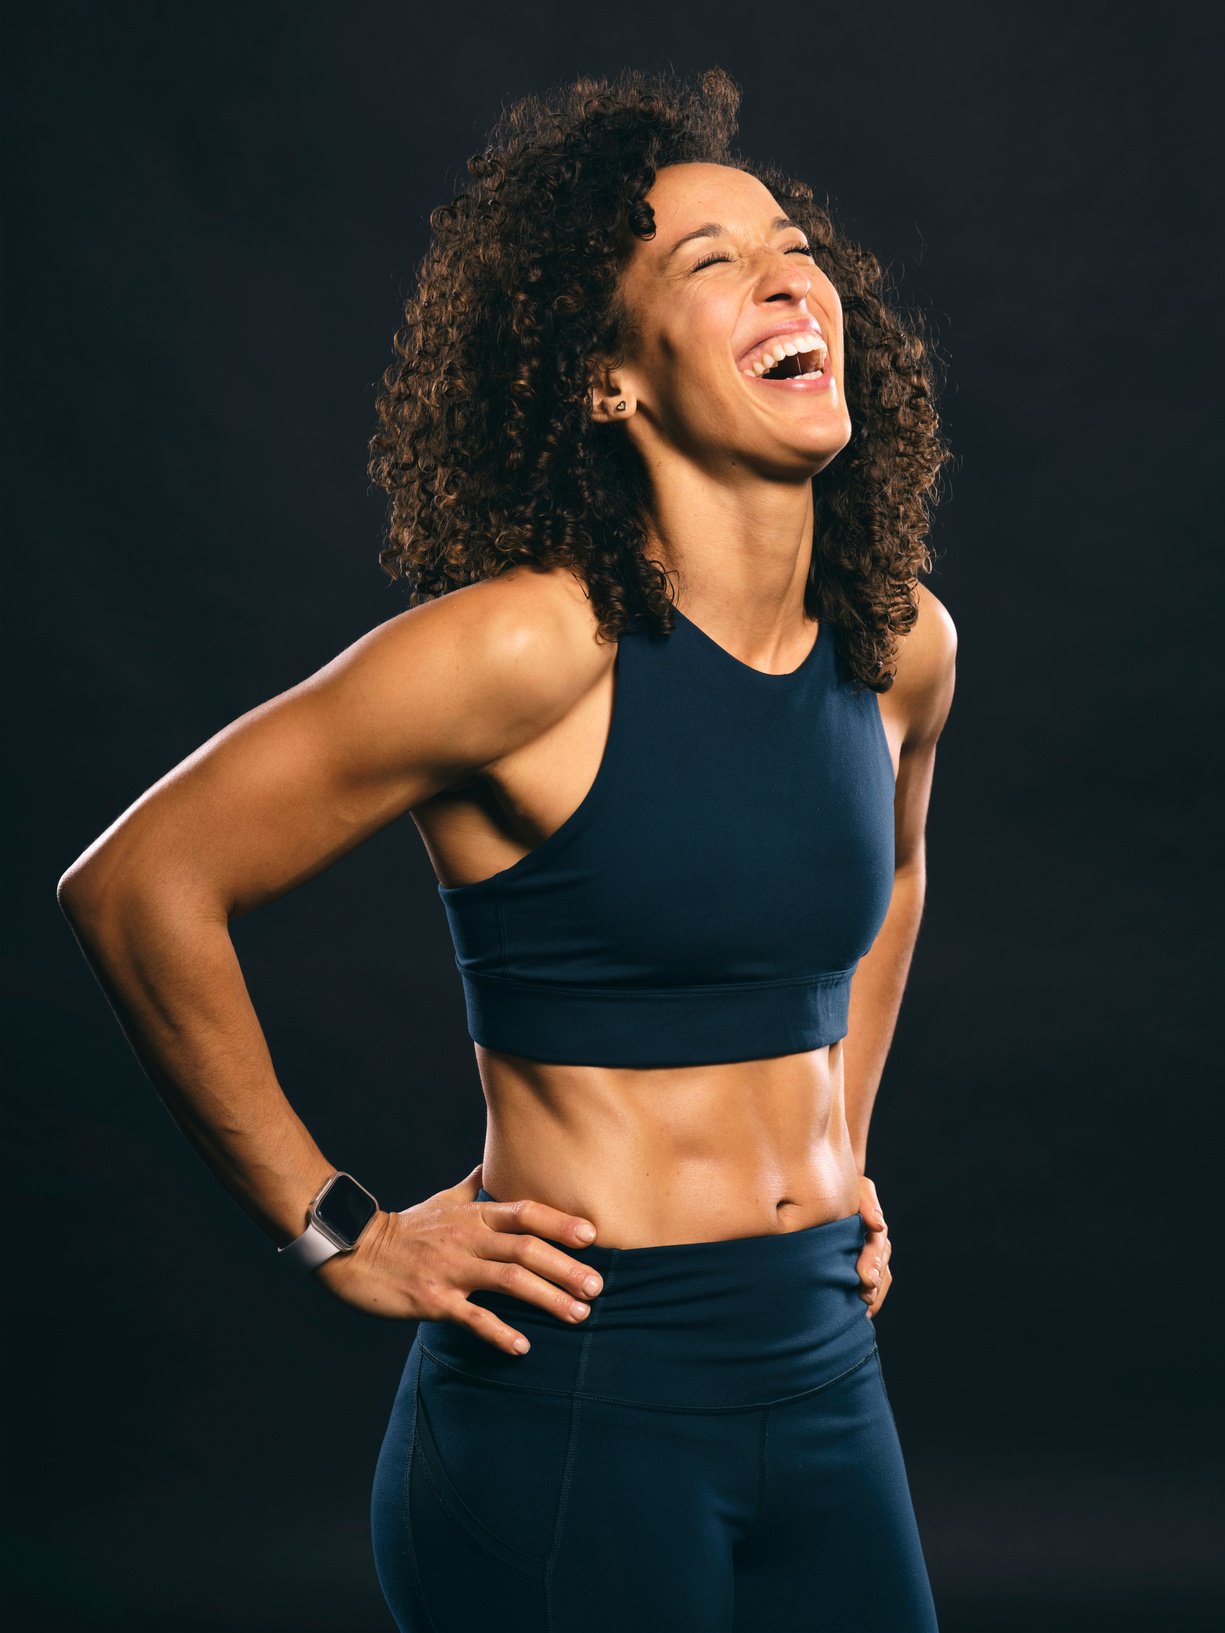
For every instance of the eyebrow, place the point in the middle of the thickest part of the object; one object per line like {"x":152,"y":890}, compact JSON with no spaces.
{"x":713,"y":229}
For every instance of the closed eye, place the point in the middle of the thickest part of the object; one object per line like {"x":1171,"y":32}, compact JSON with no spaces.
{"x":798,"y":249}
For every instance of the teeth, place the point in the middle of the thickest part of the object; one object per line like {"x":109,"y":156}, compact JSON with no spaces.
{"x":784,"y":346}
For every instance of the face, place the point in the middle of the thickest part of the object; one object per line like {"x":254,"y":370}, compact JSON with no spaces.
{"x":701,"y":306}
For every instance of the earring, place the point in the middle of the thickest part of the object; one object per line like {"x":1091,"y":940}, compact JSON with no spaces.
{"x":620,"y":406}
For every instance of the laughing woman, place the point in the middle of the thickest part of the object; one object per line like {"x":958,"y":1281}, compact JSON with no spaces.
{"x":663,"y":707}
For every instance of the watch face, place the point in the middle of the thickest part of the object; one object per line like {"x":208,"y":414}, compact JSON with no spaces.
{"x":346,"y":1209}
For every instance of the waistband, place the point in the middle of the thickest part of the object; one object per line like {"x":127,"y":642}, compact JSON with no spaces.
{"x":701,"y":1326}
{"x":645,"y":1026}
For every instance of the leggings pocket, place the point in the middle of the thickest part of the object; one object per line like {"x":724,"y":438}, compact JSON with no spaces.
{"x":494,"y":1457}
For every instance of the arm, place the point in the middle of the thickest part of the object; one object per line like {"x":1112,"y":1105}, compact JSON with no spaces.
{"x":924,"y":685}
{"x":418,"y":704}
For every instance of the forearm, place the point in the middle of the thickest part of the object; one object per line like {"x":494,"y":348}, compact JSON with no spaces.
{"x":170,"y":972}
{"x":876,"y":998}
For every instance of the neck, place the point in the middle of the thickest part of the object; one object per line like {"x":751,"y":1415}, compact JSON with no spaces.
{"x":740,"y":562}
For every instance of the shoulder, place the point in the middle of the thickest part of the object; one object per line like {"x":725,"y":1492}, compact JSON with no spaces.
{"x":515,"y":653}
{"x":535,"y":627}
{"x":931,"y":645}
{"x":925,"y":670}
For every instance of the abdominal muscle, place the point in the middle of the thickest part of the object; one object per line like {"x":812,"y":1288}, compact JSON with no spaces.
{"x":659,"y":1156}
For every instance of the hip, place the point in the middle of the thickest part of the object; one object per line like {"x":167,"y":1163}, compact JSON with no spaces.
{"x":722,"y":1325}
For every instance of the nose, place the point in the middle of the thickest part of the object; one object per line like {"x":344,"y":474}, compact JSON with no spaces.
{"x":786,"y":275}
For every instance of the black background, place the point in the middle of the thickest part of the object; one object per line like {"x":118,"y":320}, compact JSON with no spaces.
{"x":213,"y":216}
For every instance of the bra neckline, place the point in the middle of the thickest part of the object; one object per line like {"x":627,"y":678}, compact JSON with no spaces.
{"x":747,"y":668}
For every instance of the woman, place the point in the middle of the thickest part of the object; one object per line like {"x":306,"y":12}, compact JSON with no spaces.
{"x":664,"y":710}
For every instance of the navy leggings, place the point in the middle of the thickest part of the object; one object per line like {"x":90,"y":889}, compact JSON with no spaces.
{"x":710,"y":1451}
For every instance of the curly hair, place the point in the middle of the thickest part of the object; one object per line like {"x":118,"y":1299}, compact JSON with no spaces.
{"x":486,"y":442}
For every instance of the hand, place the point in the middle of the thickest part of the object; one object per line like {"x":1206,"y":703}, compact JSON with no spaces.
{"x":873,"y":1262}
{"x":421,"y":1264}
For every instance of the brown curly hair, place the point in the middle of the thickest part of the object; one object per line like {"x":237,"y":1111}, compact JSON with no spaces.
{"x":486,"y":443}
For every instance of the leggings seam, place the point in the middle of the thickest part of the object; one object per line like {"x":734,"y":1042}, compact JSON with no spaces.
{"x":463,"y":1529}
{"x":761,"y":1470}
{"x":648,"y":1406}
{"x":414,"y":1568}
{"x":576,"y":1398}
{"x":496,"y":1548}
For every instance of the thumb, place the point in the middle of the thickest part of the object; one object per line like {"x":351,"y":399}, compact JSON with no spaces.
{"x":471,"y":1185}
{"x":871,"y":1208}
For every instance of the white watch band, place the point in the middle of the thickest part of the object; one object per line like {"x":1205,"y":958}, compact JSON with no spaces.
{"x":312,"y":1248}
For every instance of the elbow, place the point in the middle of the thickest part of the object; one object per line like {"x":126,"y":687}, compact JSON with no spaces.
{"x":100,"y":876}
{"x":70,"y":890}
{"x":110,"y":870}
{"x":112,"y":885}
{"x":78,"y":894}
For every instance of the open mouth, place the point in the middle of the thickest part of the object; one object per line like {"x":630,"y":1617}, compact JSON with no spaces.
{"x":796,"y":359}
{"x":801,"y":374}
{"x":794,"y":368}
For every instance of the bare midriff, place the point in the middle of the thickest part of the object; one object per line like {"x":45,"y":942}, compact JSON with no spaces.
{"x":673,"y":1154}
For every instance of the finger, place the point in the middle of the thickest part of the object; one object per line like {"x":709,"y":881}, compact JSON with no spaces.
{"x":542,"y":1256}
{"x":870,"y":1264}
{"x":488,"y":1326}
{"x":879,"y":1293}
{"x":874,"y":1272}
{"x":518,"y":1281}
{"x":538,"y":1219}
{"x":875,"y":1234}
{"x":467,"y":1188}
{"x":869,"y":1204}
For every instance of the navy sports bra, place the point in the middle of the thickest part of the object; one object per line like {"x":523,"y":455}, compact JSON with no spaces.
{"x":711,"y":896}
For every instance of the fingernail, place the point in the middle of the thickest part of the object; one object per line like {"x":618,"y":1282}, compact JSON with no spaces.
{"x":586,"y":1233}
{"x":591,"y":1285}
{"x":522,"y":1345}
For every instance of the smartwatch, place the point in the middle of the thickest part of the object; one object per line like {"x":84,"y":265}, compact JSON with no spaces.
{"x":338,"y":1214}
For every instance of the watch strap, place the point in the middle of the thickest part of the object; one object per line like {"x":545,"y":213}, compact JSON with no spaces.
{"x":312,"y":1248}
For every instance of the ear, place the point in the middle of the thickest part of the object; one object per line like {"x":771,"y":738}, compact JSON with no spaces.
{"x":611,"y":400}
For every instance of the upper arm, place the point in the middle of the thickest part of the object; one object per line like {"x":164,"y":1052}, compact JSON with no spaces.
{"x":924,"y":683}
{"x":415,"y":706}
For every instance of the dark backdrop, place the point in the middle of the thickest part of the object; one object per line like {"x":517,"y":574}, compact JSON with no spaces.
{"x":214,"y":214}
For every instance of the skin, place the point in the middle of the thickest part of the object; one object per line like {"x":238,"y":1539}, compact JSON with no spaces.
{"x":484,"y":715}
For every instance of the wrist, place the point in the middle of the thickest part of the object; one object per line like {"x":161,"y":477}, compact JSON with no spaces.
{"x":291,"y":1209}
{"x":338,"y":1215}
